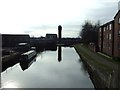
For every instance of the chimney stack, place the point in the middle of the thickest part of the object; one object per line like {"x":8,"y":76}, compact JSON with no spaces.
{"x":59,"y":31}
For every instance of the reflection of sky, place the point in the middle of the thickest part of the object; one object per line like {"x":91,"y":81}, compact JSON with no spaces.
{"x":21,"y":16}
{"x":10,"y":84}
{"x":47,"y":72}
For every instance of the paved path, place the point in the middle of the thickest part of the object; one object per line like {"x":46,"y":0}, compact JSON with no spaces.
{"x":99,"y":58}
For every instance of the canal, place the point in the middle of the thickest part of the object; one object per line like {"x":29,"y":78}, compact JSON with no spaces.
{"x":61,"y":68}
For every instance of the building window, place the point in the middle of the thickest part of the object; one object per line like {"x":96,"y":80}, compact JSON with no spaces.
{"x":110,"y":37}
{"x":119,"y":45}
{"x":104,"y":29}
{"x":107,"y":36}
{"x":119,"y":20}
{"x":119,"y":32}
{"x":100,"y":29}
{"x":107,"y":27}
{"x":108,"y":45}
{"x":110,"y":26}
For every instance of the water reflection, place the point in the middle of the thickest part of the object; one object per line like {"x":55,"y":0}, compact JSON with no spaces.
{"x":46,"y":48}
{"x":83,"y":67}
{"x":52,"y":48}
{"x":59,"y":53}
{"x":48,"y":73}
{"x":25,"y":64}
{"x":11,"y":84}
{"x":9,"y":63}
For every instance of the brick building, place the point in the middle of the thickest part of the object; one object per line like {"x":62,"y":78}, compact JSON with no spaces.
{"x":106,"y":39}
{"x":117,"y":35}
{"x":109,"y":37}
{"x":100,"y":38}
{"x":10,"y":40}
{"x":51,"y":36}
{"x":108,"y":29}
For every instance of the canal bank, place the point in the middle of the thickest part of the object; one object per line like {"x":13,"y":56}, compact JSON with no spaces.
{"x":10,"y":60}
{"x":103,"y":71}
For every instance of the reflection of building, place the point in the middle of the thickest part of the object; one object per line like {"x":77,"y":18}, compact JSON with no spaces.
{"x":26,"y":64}
{"x":59,"y":53}
{"x":50,"y":48}
{"x":109,"y":37}
{"x":51,"y":36}
{"x":10,"y":40}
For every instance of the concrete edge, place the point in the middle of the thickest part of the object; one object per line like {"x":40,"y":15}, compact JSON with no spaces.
{"x":97,"y":81}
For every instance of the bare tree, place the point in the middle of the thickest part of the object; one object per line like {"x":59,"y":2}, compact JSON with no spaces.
{"x":89,"y":32}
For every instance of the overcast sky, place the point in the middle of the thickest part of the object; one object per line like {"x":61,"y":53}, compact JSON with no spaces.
{"x":38,"y":17}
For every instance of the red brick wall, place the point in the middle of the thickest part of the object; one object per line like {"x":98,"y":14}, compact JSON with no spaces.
{"x":117,"y":36}
{"x":100,"y":39}
{"x":108,"y":38}
{"x":110,"y":43}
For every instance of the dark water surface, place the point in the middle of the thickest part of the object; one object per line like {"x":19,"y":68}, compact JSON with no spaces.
{"x":49,"y":71}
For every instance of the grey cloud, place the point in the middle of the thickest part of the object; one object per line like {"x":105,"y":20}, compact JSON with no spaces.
{"x":103,"y":14}
{"x":72,"y":26}
{"x":44,"y":27}
{"x":40,"y":27}
{"x":27,"y":31}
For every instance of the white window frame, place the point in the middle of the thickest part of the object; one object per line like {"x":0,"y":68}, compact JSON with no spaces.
{"x":118,"y":32}
{"x":107,"y":36}
{"x":110,"y":36}
{"x":110,"y":26}
{"x":104,"y":29}
{"x":100,"y":30}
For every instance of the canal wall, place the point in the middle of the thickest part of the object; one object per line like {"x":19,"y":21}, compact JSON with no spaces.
{"x":103,"y":73}
{"x":10,"y":60}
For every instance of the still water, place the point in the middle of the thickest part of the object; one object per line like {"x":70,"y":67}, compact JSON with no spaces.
{"x":51,"y":69}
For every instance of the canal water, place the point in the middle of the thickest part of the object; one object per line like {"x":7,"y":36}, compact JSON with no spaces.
{"x":61,"y":68}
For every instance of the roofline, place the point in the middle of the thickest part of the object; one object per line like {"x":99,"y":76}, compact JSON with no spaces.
{"x":116,"y":14}
{"x":50,"y":34}
{"x":107,"y":23}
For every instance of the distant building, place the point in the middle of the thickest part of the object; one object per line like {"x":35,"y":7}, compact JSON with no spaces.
{"x":11,"y":40}
{"x":117,"y":35}
{"x":23,"y":47}
{"x":51,"y":36}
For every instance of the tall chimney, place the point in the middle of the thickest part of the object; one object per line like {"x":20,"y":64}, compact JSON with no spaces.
{"x":59,"y":31}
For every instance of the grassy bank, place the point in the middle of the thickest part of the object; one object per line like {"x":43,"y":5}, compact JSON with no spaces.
{"x":103,"y":69}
